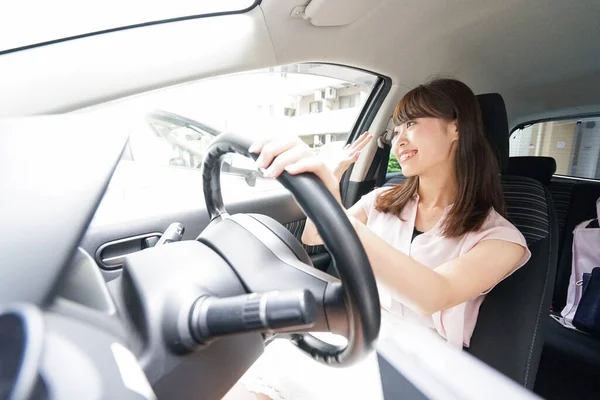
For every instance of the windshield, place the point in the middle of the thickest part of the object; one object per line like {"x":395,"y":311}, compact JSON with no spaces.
{"x":30,"y":22}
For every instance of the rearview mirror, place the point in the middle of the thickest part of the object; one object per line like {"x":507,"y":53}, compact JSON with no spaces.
{"x":249,"y":175}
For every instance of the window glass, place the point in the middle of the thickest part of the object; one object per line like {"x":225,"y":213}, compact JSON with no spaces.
{"x":173,"y":128}
{"x":315,"y":107}
{"x":28,"y":22}
{"x":393,"y":164}
{"x":350,"y":101}
{"x":574,"y":144}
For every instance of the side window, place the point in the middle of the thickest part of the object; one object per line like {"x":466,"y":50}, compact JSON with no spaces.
{"x":393,"y":164}
{"x":574,"y":144}
{"x":174,"y":127}
{"x":165,"y":138}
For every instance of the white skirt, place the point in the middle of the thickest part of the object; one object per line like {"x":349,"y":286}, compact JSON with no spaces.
{"x":284,"y":372}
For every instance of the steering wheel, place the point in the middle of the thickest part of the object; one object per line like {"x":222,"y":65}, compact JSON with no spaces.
{"x":169,"y":322}
{"x":266,"y":256}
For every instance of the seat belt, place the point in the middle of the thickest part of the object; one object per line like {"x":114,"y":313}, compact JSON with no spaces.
{"x":382,"y":156}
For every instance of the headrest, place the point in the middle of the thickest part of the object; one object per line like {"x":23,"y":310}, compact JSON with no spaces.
{"x":538,"y":168}
{"x":495,"y":125}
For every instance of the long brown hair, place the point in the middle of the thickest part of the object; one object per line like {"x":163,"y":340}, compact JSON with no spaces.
{"x":476,"y":167}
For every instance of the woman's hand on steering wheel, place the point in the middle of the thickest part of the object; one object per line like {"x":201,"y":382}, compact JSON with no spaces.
{"x":349,"y":306}
{"x":291,"y":154}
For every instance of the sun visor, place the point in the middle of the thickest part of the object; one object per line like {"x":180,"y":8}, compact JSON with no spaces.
{"x":337,"y":12}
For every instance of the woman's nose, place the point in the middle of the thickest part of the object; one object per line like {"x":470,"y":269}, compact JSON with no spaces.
{"x":400,"y":139}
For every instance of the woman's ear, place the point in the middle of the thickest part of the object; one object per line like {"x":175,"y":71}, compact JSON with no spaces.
{"x":453,"y":130}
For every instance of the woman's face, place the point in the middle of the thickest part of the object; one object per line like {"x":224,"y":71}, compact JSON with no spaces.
{"x":423,"y":145}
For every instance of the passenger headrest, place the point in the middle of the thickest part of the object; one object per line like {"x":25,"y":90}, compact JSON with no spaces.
{"x":538,"y":168}
{"x":495,"y":125}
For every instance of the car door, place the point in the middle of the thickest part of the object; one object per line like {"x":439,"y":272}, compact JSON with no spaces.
{"x":158,"y":180}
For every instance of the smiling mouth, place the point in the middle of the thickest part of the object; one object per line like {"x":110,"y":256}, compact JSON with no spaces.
{"x":407,"y":155}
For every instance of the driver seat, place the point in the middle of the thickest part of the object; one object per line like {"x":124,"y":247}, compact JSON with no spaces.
{"x":508,"y":335}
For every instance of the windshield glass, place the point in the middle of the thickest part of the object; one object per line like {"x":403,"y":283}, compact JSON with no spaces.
{"x":29,"y":22}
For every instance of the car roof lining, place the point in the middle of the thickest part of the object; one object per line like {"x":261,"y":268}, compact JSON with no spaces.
{"x":540,"y":57}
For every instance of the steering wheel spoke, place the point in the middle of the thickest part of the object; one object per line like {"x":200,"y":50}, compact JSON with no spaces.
{"x":263,"y":263}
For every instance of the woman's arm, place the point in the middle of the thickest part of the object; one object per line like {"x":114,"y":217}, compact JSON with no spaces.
{"x":310,"y":235}
{"x":423,"y":289}
{"x":427,"y":290}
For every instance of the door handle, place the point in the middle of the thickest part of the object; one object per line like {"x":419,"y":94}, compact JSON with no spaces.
{"x":112,"y":255}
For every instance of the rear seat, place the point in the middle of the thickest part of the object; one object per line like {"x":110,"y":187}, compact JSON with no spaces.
{"x":570,"y":363}
{"x":542,"y":169}
{"x":539,"y":168}
{"x":582,"y":207}
{"x":561,"y":190}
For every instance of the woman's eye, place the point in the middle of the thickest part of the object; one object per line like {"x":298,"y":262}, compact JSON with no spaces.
{"x":409,"y":124}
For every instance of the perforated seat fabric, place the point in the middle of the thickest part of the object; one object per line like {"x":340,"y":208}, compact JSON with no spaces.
{"x":509,"y":331}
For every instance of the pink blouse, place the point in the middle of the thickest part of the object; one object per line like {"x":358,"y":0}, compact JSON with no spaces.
{"x":455,"y":324}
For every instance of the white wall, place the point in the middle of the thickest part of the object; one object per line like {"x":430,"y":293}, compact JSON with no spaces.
{"x":304,"y":103}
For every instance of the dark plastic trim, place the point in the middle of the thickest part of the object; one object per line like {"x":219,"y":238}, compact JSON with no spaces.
{"x":112,"y":262}
{"x":365,"y":118}
{"x":369,"y":111}
{"x":550,"y":119}
{"x":32,"y":326}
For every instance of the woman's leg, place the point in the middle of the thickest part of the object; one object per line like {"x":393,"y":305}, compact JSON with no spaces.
{"x":239,"y":392}
{"x":283,"y":372}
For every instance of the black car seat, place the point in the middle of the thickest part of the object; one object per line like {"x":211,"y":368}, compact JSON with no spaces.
{"x":535,"y":167}
{"x":570,"y":364}
{"x":570,"y":361}
{"x":508,"y":335}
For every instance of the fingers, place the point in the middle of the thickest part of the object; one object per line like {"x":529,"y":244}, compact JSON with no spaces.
{"x":364,"y":142}
{"x":293,"y":155}
{"x":269,"y":149}
{"x":314,"y":165}
{"x":286,"y":158}
{"x":350,"y":159}
{"x":257,"y":145}
{"x":360,"y":143}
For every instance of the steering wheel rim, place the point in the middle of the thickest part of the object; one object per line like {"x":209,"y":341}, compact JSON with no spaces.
{"x":358,"y":282}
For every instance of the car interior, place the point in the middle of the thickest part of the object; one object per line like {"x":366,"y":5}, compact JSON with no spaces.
{"x":161,"y":267}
